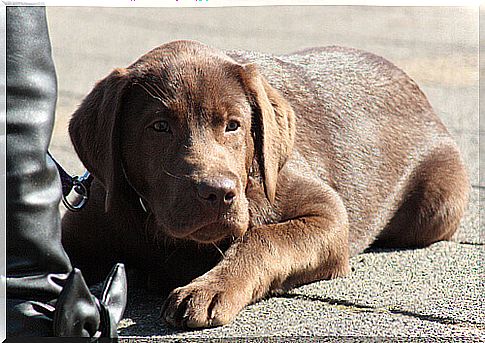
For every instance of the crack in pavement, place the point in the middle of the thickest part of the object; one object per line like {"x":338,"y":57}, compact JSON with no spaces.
{"x":472,"y":243}
{"x":367,"y":308}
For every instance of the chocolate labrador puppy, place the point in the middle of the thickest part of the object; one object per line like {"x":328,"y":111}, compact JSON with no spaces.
{"x":225,"y":177}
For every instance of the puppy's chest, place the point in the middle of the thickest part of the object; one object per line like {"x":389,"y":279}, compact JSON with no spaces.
{"x":261,"y":212}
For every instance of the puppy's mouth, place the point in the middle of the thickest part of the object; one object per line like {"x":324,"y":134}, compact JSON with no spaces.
{"x":211,"y":232}
{"x":188,"y":222}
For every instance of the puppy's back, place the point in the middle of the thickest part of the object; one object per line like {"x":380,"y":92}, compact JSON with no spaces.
{"x":363,"y":126}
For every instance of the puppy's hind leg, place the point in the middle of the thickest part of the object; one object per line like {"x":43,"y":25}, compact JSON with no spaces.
{"x":436,"y":199}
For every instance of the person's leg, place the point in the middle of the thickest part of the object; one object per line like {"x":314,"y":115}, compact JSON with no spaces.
{"x":38,"y":270}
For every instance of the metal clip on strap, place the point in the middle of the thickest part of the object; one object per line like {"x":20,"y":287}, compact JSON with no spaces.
{"x":80,"y":184}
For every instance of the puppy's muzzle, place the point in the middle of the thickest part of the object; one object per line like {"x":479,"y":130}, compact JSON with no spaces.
{"x":217,"y":192}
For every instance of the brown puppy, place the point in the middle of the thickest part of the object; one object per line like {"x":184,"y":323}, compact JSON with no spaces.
{"x":231,"y":181}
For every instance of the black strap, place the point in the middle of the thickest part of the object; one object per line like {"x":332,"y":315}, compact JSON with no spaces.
{"x":80,"y":184}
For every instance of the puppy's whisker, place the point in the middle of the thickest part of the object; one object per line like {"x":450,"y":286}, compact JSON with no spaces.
{"x":171,"y":175}
{"x":162,"y":93}
{"x":155,"y":89}
{"x":178,"y":177}
{"x":218,"y":249}
{"x":149,"y":93}
{"x":147,"y":224}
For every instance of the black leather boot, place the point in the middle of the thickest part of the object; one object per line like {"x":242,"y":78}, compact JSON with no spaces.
{"x":45,"y":296}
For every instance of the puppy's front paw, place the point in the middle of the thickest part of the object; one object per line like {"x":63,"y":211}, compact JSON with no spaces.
{"x":203,"y":304}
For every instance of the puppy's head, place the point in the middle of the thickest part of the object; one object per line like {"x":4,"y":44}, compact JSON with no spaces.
{"x":184,"y":127}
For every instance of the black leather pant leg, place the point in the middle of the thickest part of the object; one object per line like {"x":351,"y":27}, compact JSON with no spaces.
{"x":36,"y":262}
{"x":45,"y":295}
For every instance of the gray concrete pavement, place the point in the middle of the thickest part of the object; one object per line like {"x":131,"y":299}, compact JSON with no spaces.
{"x":437,"y":291}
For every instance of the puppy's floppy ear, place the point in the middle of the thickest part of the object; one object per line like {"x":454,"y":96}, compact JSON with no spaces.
{"x":273,"y":127}
{"x":94,"y":133}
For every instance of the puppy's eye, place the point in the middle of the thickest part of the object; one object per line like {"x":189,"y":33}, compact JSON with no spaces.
{"x":232,"y":125}
{"x":161,"y":126}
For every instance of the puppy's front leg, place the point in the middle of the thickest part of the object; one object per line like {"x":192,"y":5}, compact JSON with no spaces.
{"x":309,"y":243}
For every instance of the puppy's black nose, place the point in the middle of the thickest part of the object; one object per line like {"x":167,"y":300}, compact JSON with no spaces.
{"x":217,"y":191}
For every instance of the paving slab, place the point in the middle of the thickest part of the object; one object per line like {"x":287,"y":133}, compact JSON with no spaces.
{"x":406,"y":294}
{"x":432,"y":292}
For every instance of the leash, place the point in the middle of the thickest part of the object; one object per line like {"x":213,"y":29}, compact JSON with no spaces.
{"x":80,"y":185}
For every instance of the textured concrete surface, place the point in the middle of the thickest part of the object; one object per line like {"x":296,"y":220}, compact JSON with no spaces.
{"x":437,"y":291}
